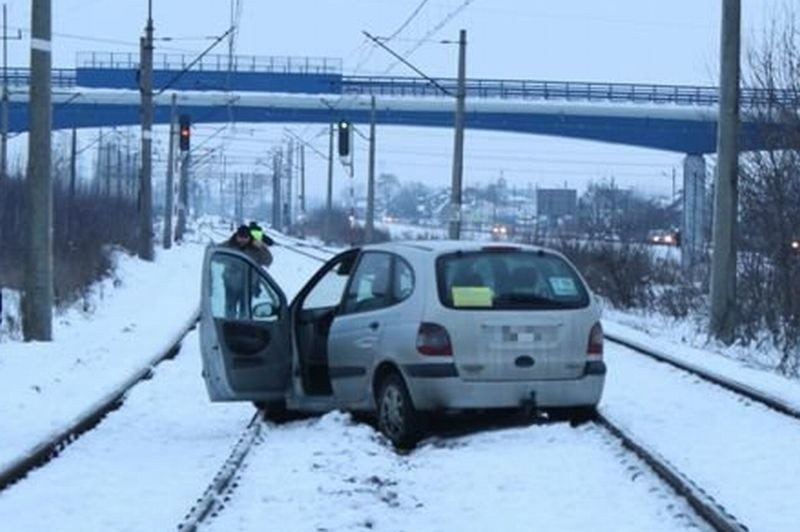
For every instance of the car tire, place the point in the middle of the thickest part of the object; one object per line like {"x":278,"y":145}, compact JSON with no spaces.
{"x":582,"y":414}
{"x":576,"y":415}
{"x":398,"y":419}
{"x":274,"y":411}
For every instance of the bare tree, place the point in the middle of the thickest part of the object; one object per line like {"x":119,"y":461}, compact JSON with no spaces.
{"x":770,"y":195}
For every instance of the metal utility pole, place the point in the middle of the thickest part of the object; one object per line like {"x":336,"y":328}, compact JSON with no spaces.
{"x":4,"y":98}
{"x":276,"y":191}
{"x":37,"y":312}
{"x":458,"y":150}
{"x":287,"y":212}
{"x":369,"y":226}
{"x":183,"y":196}
{"x":170,"y":187}
{"x":723,"y":262}
{"x":146,"y":189}
{"x":326,"y":231}
{"x":4,"y":111}
{"x":303,"y":180}
{"x":73,"y":164}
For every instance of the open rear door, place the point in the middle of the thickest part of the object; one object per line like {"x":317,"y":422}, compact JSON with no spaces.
{"x":244,"y":329}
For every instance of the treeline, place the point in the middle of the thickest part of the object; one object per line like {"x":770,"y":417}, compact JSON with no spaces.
{"x":91,"y":217}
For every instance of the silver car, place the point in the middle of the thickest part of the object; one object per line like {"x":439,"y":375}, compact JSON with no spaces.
{"x":404,"y":329}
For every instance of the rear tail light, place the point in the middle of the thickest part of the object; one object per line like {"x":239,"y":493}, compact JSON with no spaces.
{"x":595,"y":347}
{"x":433,"y":340}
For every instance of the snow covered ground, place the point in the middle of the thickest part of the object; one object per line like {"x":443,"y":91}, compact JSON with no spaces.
{"x":99,"y":344}
{"x":144,"y":466}
{"x":333,"y":474}
{"x":742,"y":453}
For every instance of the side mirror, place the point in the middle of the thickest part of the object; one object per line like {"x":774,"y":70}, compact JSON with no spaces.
{"x":264,"y":311}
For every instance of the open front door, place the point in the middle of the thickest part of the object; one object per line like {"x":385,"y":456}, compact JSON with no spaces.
{"x":244,"y":329}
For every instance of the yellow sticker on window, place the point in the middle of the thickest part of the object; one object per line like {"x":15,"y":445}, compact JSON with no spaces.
{"x":472,"y":296}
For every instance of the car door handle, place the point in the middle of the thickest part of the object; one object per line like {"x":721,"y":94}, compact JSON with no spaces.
{"x":374,"y":325}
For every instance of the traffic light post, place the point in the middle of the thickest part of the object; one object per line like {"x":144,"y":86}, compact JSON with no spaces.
{"x":169,"y":189}
{"x":345,"y":130}
{"x":345,"y":146}
{"x":184,"y":143}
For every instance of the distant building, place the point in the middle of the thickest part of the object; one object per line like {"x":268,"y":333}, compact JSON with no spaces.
{"x":555,"y":203}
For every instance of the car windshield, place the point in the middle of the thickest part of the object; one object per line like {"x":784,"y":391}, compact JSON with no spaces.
{"x":508,"y":279}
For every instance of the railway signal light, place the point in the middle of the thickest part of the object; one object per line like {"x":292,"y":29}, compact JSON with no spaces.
{"x":345,"y":137}
{"x":185,"y":133}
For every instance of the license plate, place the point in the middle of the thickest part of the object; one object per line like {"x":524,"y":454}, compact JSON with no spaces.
{"x":527,"y":338}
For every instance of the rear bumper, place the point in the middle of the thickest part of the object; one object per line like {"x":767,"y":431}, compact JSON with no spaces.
{"x":451,"y":392}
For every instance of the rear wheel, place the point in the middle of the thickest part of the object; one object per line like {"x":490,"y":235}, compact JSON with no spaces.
{"x":398,"y":420}
{"x":275,"y":411}
{"x":576,"y":415}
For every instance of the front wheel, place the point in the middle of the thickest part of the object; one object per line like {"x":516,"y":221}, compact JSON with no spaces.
{"x":398,"y":420}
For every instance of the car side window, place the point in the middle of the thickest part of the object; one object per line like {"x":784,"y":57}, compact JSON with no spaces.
{"x":327,"y":292}
{"x":238,"y":292}
{"x":403,"y":279}
{"x":370,"y":287}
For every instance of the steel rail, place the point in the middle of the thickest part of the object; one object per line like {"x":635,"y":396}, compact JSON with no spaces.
{"x":52,"y":446}
{"x":217,"y":493}
{"x":729,"y":384}
{"x":701,"y":502}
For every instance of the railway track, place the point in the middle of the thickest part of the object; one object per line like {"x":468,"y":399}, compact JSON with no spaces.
{"x":729,"y":384}
{"x":710,"y":510}
{"x":51,"y":447}
{"x":215,"y":495}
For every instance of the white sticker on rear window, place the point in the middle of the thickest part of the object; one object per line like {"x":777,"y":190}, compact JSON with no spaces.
{"x":563,"y":286}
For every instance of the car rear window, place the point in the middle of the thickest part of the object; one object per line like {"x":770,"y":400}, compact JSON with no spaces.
{"x":508,"y":279}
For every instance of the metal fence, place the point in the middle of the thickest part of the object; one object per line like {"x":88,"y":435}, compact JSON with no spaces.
{"x":61,"y":77}
{"x":558,"y":90}
{"x":214,"y":63}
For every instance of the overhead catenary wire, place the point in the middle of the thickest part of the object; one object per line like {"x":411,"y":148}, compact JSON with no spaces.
{"x":433,"y":31}
{"x":408,"y":21}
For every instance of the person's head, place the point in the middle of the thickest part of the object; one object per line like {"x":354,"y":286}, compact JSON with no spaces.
{"x":242,"y":236}
{"x":256,"y":231}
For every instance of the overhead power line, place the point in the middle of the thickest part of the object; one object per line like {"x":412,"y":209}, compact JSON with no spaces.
{"x":408,"y":64}
{"x":433,"y":31}
{"x":408,"y":21}
{"x":196,"y":60}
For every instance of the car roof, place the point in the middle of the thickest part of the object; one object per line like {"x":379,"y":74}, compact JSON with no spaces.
{"x":438,"y":247}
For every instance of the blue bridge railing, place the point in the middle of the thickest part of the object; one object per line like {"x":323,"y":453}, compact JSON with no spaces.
{"x":559,"y":90}
{"x":418,"y":87}
{"x":214,"y":63}
{"x":61,"y":77}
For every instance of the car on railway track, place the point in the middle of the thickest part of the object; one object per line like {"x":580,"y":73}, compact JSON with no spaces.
{"x":404,"y":329}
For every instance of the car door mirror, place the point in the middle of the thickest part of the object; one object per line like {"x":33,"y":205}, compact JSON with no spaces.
{"x":264,"y":311}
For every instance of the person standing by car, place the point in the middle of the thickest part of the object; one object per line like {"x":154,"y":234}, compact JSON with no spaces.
{"x":235,"y":277}
{"x":243,"y":240}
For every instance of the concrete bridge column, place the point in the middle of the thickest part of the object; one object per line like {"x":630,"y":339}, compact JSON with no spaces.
{"x":694,"y":238}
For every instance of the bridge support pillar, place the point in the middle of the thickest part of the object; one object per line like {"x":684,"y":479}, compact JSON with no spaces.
{"x":694,"y":235}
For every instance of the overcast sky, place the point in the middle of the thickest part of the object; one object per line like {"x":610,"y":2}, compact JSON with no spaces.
{"x":658,"y":41}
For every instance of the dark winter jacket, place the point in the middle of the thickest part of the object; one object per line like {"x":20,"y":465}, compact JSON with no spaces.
{"x":257,"y":251}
